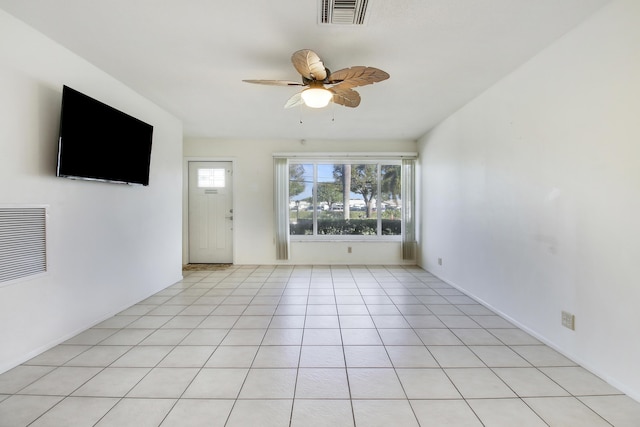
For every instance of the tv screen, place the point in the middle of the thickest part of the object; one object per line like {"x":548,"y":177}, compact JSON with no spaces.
{"x":98,"y":142}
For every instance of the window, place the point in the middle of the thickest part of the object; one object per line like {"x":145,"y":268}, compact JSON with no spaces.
{"x":211,"y":178}
{"x":325,"y":199}
{"x":345,"y":198}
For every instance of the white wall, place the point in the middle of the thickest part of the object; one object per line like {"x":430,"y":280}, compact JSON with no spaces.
{"x":253,"y":200}
{"x":531,"y":195}
{"x":109,"y":245}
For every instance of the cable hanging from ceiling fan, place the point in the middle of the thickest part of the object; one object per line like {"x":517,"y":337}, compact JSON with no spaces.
{"x":333,"y":114}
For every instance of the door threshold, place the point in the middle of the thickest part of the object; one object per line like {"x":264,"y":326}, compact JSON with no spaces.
{"x":205,"y":267}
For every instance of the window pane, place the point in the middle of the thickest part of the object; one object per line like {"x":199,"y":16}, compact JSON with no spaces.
{"x":300,"y":199}
{"x":361,"y":204}
{"x":334,"y":199}
{"x":364,"y":185}
{"x":330,"y":199}
{"x":329,"y":193}
{"x":391,"y":201}
{"x":211,"y":178}
{"x":350,"y":212}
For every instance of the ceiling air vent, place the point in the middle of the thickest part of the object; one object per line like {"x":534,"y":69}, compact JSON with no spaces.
{"x":343,"y":12}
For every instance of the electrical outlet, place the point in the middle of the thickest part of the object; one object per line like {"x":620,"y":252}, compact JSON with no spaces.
{"x":439,"y":261}
{"x":569,"y":320}
{"x":349,"y":250}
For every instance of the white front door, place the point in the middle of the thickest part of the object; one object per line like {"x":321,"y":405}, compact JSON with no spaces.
{"x":210,"y":212}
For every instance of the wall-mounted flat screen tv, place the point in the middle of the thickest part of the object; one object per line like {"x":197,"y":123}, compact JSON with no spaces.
{"x":98,"y":142}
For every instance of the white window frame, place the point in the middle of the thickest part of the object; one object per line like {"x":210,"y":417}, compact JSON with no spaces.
{"x":281,"y":198}
{"x":351,"y":237}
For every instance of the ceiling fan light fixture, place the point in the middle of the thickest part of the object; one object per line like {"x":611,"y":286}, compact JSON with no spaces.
{"x":316,"y":97}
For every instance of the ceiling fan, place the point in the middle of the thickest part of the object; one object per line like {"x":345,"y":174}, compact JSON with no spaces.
{"x":339,"y":84}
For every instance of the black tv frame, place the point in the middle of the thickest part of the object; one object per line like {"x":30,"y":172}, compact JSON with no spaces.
{"x":98,"y":142}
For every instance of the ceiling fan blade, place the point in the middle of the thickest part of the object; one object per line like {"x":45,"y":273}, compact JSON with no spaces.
{"x":357,"y":76}
{"x":275,"y":82}
{"x":309,"y":65}
{"x":345,"y":96}
{"x":294,"y":101}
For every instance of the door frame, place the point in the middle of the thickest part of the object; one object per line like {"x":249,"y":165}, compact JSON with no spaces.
{"x":185,"y":202}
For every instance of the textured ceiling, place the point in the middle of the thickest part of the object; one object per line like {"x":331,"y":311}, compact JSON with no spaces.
{"x":190,"y":56}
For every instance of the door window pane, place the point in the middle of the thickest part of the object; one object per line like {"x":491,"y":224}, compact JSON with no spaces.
{"x":211,"y":178}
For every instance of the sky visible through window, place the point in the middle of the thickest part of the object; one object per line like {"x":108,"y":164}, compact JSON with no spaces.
{"x":325,"y":174}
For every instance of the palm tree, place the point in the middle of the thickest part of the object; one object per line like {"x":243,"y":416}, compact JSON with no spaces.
{"x":359,"y":179}
{"x":391,"y":181}
{"x":296,"y":179}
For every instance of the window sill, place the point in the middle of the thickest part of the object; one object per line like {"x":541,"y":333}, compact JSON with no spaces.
{"x":362,"y":239}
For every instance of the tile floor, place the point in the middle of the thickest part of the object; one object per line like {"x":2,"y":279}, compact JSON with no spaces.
{"x":308,"y":346}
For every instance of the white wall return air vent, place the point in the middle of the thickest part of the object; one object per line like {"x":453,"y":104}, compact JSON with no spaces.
{"x":23,"y":242}
{"x":343,"y":12}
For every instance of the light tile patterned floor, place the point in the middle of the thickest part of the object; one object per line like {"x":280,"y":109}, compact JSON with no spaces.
{"x":308,"y":346}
